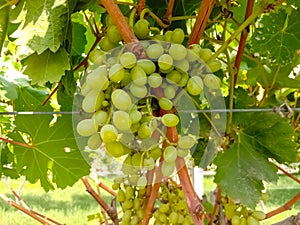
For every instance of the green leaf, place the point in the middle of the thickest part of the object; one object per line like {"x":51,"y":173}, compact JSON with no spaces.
{"x":4,"y":19}
{"x":43,"y":25}
{"x":78,"y":39}
{"x":294,"y":3}
{"x":46,"y":67}
{"x":277,"y":36}
{"x":241,"y":170}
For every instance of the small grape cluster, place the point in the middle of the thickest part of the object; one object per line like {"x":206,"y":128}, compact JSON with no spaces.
{"x":131,"y":201}
{"x":173,"y":207}
{"x":241,"y":215}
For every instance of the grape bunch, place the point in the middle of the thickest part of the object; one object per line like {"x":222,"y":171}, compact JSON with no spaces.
{"x":241,"y":215}
{"x":172,"y":207}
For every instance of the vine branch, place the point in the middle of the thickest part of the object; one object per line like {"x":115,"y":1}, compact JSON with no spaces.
{"x":168,"y":14}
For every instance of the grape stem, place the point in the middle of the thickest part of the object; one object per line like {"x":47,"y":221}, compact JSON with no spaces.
{"x":112,"y":212}
{"x":201,"y":21}
{"x":16,"y":142}
{"x":155,"y":17}
{"x":141,"y":6}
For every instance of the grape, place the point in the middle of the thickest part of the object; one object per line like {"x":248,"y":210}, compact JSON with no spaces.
{"x":149,"y":163}
{"x":243,"y":221}
{"x":105,"y":44}
{"x":141,"y":29}
{"x":136,"y":203}
{"x":126,"y":79}
{"x":214,"y":65}
{"x":94,"y":141}
{"x":212,"y":81}
{"x":134,"y":220}
{"x":113,"y":34}
{"x":165,"y":62}
{"x":165,"y":103}
{"x":168,"y":36}
{"x":147,"y":65}
{"x":128,"y":60}
{"x":126,"y":216}
{"x":167,"y":168}
{"x":184,"y":79}
{"x":164,"y":208}
{"x":135,"y":116}
{"x":121,"y":196}
{"x":121,"y":100}
{"x":97,"y":56}
{"x":136,"y":159}
{"x":108,"y":20}
{"x":186,"y":142}
{"x":177,"y":36}
{"x":155,"y":153}
{"x":115,"y":149}
{"x":194,"y":85}
{"x":173,"y":77}
{"x":235,"y":220}
{"x":163,"y":218}
{"x":173,"y":217}
{"x":170,"y":120}
{"x":116,"y":72}
{"x":127,"y":167}
{"x":180,"y":219}
{"x":252,"y":221}
{"x":169,"y":92}
{"x":140,"y":213}
{"x":191,"y":55}
{"x":205,"y":54}
{"x":182,"y":65}
{"x":178,"y":52}
{"x":127,"y":204}
{"x":259,"y":215}
{"x":182,"y":152}
{"x":121,"y":120}
{"x":87,"y":127}
{"x":154,"y":80}
{"x":92,"y":101}
{"x":144,"y":131}
{"x":85,"y":89}
{"x":98,"y":78}
{"x":108,"y":133}
{"x":138,"y":91}
{"x":154,"y":51}
{"x":138,"y":76}
{"x":129,"y":192}
{"x":170,"y":154}
{"x":142,"y":181}
{"x":100,"y":117}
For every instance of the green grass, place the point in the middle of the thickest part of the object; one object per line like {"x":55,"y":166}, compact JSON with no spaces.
{"x":72,"y":205}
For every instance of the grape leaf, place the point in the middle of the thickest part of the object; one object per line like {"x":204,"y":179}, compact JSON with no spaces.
{"x":241,"y":170}
{"x":294,"y":3}
{"x":42,"y":25}
{"x":78,"y":39}
{"x":46,"y":67}
{"x":277,"y":36}
{"x":4,"y":12}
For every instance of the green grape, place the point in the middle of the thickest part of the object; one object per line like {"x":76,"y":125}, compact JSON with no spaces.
{"x":170,"y":120}
{"x":173,"y":217}
{"x":177,"y":36}
{"x":165,"y":62}
{"x":167,"y":168}
{"x":144,"y":131}
{"x":85,"y":89}
{"x":128,"y":60}
{"x":170,"y":154}
{"x":127,"y":204}
{"x":154,"y":51}
{"x":147,"y":65}
{"x":136,"y":203}
{"x":163,"y":218}
{"x":205,"y":54}
{"x":180,"y":218}
{"x":138,"y":91}
{"x":94,"y":141}
{"x":142,"y":181}
{"x":212,"y":81}
{"x":165,"y":104}
{"x":115,"y":186}
{"x":115,"y":149}
{"x":136,"y":159}
{"x":235,"y":220}
{"x":154,"y":80}
{"x":182,"y":65}
{"x":105,"y":44}
{"x":97,"y":56}
{"x":135,"y":127}
{"x":116,"y":72}
{"x":164,"y":208}
{"x":168,"y":35}
{"x":108,"y":133}
{"x":121,"y":120}
{"x":252,"y":221}
{"x":159,"y":37}
{"x":259,"y":215}
{"x":135,"y":116}
{"x":98,"y":78}
{"x":186,"y":142}
{"x":129,"y":192}
{"x":230,"y":209}
{"x":170,"y":91}
{"x":181,"y":205}
{"x":173,"y":77}
{"x":138,"y":76}
{"x":113,"y":34}
{"x":140,"y":213}
{"x":214,"y":65}
{"x":149,"y":163}
{"x":177,"y":51}
{"x":191,"y":55}
{"x":158,"y":222}
{"x":194,"y":85}
{"x":126,"y":79}
{"x":126,"y":216}
{"x":182,"y":152}
{"x":121,"y":100}
{"x":243,"y":221}
{"x":108,"y":21}
{"x":134,"y":220}
{"x":100,"y":117}
{"x":121,"y":196}
{"x":184,"y":79}
{"x":92,"y":101}
{"x":141,"y":29}
{"x":86,"y":127}
{"x":155,"y":153}
{"x":127,"y":167}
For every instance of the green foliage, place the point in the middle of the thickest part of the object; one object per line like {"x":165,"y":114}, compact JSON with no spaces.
{"x":4,"y":12}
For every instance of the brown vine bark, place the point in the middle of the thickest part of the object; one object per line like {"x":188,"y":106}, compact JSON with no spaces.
{"x":201,"y":21}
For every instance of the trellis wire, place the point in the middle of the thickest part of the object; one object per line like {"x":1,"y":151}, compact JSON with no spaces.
{"x":274,"y":109}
